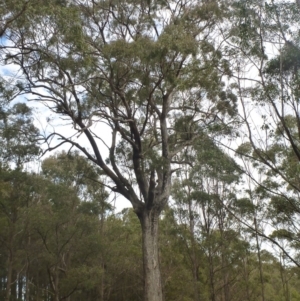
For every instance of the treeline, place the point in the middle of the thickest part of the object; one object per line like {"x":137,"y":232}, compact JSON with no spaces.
{"x":62,"y":240}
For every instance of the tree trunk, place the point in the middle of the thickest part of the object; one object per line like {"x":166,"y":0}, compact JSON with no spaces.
{"x":101,"y":288}
{"x":259,"y":262}
{"x":152,"y":277}
{"x":195,"y":265}
{"x":27,"y":287}
{"x":211,"y":276}
{"x":246,"y":276}
{"x":13,"y":288}
{"x":54,"y":281}
{"x":9,"y":276}
{"x":284,"y":280}
{"x":20,"y":288}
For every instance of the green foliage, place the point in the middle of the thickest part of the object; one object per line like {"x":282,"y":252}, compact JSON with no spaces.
{"x":245,"y":205}
{"x":244,"y":149}
{"x":282,"y":234}
{"x":18,"y":135}
{"x":288,"y":61}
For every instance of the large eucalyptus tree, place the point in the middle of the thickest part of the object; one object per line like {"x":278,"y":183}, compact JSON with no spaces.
{"x":147,"y":73}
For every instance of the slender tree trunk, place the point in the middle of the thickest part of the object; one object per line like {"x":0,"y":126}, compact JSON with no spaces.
{"x":207,"y":225}
{"x":27,"y":287}
{"x":101,"y":288}
{"x":246,"y":277}
{"x":259,"y":262}
{"x":284,"y":281}
{"x":196,"y":282}
{"x":195,"y":266}
{"x":26,"y":294}
{"x":152,"y":277}
{"x":14,"y":286}
{"x":20,"y":288}
{"x":211,"y":277}
{"x":54,"y":281}
{"x":225,"y":277}
{"x":9,"y":276}
{"x":56,"y":298}
{"x":224,"y":262}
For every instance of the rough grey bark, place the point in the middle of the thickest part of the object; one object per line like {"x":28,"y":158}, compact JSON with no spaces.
{"x":152,"y":276}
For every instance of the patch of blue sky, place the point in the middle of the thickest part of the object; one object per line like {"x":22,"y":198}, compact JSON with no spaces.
{"x":4,"y":41}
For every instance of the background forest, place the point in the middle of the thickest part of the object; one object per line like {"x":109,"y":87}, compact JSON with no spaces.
{"x":62,"y":240}
{"x":186,"y":110}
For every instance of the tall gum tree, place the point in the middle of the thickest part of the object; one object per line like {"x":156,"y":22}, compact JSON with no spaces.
{"x":265,"y":39}
{"x":151,"y":71}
